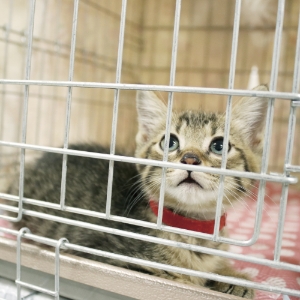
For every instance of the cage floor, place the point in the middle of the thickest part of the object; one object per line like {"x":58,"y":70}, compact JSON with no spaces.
{"x":241,"y":224}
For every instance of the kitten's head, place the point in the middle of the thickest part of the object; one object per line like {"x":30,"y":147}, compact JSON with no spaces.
{"x":197,"y":138}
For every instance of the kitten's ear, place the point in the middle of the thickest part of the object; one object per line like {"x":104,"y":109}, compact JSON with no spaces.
{"x":151,"y":112}
{"x":249,"y":117}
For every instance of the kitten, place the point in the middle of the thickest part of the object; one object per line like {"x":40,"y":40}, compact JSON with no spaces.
{"x":196,"y":138}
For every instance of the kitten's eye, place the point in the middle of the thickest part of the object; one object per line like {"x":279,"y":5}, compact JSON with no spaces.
{"x":216,"y":146}
{"x":173,"y":143}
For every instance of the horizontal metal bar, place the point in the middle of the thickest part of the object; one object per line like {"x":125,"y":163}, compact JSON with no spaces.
{"x":118,"y":219}
{"x":151,"y":239}
{"x":222,"y":27}
{"x":161,"y":88}
{"x":36,"y":288}
{"x":226,"y":279}
{"x":112,"y":218}
{"x":296,"y":103}
{"x":292,"y":168}
{"x":151,"y":162}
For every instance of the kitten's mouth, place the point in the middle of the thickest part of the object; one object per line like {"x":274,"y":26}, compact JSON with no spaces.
{"x":190,"y":180}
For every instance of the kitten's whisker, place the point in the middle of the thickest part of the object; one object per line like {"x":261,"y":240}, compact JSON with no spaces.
{"x":141,"y":185}
{"x":256,"y":188}
{"x":236,"y":197}
{"x":250,"y":195}
{"x":244,"y":199}
{"x":135,"y":182}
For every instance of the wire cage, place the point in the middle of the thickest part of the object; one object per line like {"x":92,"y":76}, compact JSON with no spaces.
{"x":70,"y":71}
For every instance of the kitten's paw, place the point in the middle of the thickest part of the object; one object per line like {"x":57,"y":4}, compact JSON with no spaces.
{"x":227,"y":288}
{"x":232,"y":289}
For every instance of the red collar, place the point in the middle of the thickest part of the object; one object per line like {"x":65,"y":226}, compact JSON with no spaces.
{"x":174,"y":220}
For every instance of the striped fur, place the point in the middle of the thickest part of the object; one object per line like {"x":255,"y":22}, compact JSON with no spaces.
{"x":195,"y":130}
{"x":133,"y":186}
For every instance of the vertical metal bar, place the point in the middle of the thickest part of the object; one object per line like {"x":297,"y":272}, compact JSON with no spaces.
{"x":284,"y":81}
{"x":289,"y":149}
{"x":116,"y":106}
{"x":270,"y":111}
{"x":234,"y":48}
{"x":277,"y":44}
{"x":296,"y":80}
{"x":57,"y":266}
{"x":55,"y":69}
{"x":175,"y":45}
{"x":18,"y":260}
{"x":41,"y":75}
{"x":25,"y":107}
{"x":269,"y":118}
{"x":169,"y":113}
{"x":69,"y":101}
{"x":5,"y":59}
{"x":273,"y":83}
{"x":208,"y":44}
{"x":4,"y":74}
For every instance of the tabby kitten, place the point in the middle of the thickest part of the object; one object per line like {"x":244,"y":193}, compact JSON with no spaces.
{"x":190,"y":197}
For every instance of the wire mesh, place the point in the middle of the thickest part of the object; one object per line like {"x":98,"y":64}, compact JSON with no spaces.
{"x":79,"y":83}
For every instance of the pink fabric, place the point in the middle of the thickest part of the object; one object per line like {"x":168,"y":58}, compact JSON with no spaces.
{"x":6,"y":224}
{"x":240,"y":224}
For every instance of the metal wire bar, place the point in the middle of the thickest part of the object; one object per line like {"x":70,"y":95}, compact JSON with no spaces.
{"x":78,"y":99}
{"x":25,"y":110}
{"x":273,"y":82}
{"x":189,"y":272}
{"x":270,"y":111}
{"x":41,"y":73}
{"x":4,"y":93}
{"x":18,"y":260}
{"x":234,"y":48}
{"x":215,"y":27}
{"x":291,"y":168}
{"x":296,"y":80}
{"x":54,"y":95}
{"x":289,"y":149}
{"x":59,"y":244}
{"x":7,"y":29}
{"x":169,"y":111}
{"x":36,"y":288}
{"x":285,"y":179}
{"x":69,"y":102}
{"x":157,"y":163}
{"x":161,"y":88}
{"x":277,"y":44}
{"x":269,"y":120}
{"x":152,"y":239}
{"x":116,"y":107}
{"x":296,"y":103}
{"x":115,"y":218}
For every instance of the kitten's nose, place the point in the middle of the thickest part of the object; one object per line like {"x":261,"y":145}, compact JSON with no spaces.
{"x":190,"y":159}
